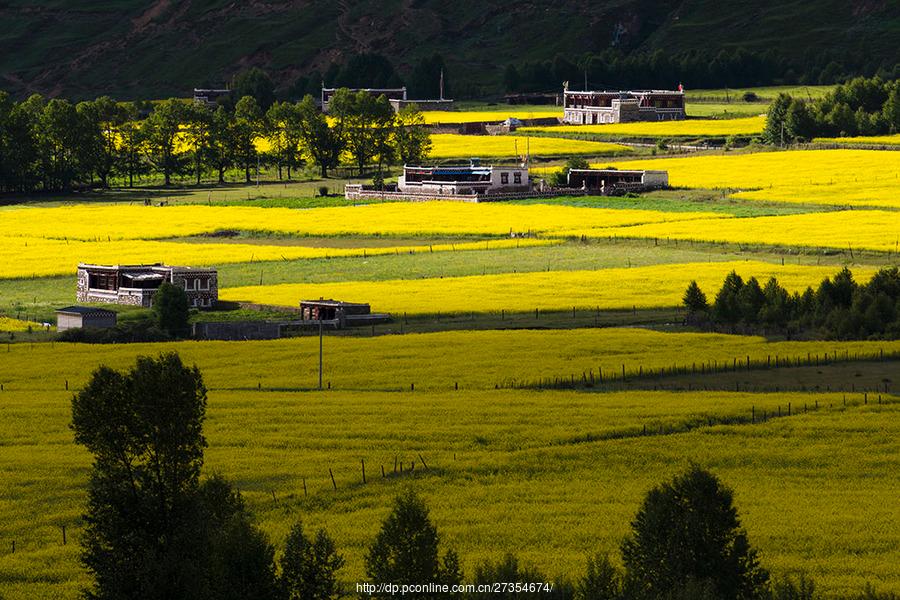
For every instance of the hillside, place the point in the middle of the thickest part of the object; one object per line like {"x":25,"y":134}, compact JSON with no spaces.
{"x":140,"y":48}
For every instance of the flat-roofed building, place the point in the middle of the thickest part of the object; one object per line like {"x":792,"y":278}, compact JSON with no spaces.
{"x":84,"y":317}
{"x":464,"y":179}
{"x":137,"y":284}
{"x":597,"y":107}
{"x":610,"y":181}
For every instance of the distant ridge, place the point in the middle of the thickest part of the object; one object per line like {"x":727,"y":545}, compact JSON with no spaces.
{"x":141,"y":49}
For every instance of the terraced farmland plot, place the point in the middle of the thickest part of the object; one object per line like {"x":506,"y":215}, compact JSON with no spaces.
{"x":832,"y":177}
{"x":642,"y":287}
{"x":119,"y":222}
{"x":27,"y":257}
{"x":511,"y":147}
{"x":842,"y":230}
{"x":433,"y":361}
{"x":688,"y":127}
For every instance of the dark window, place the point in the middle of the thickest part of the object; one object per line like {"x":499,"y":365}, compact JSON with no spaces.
{"x":517,"y":177}
{"x":504,"y":178}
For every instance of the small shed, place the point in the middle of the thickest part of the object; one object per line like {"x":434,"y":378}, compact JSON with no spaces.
{"x":340,"y":314}
{"x":84,"y":317}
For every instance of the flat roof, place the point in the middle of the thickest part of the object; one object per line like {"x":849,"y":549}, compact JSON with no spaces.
{"x":624,"y":91}
{"x":148,"y":267}
{"x":627,"y":171}
{"x":333,"y":303}
{"x":85,"y":311}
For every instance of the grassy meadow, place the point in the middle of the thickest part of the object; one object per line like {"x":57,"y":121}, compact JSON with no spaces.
{"x":492,"y":304}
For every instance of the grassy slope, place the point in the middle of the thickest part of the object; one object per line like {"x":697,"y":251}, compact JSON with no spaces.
{"x":64,"y":47}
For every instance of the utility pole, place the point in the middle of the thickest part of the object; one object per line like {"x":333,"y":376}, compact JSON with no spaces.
{"x":321,"y":335}
{"x":257,"y":170}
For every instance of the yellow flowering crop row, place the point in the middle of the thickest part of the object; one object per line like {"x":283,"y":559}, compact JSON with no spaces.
{"x":644,"y":287}
{"x":9,"y":324}
{"x":885,"y":140}
{"x":491,"y":116}
{"x":27,"y":257}
{"x":837,"y":177}
{"x":474,"y":359}
{"x":855,"y":230}
{"x":687,"y":127}
{"x":121,"y":222}
{"x":451,"y":145}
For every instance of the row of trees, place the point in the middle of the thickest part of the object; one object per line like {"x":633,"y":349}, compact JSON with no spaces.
{"x":56,"y":146}
{"x":859,"y":107}
{"x":840,"y":308}
{"x":738,"y":67}
{"x":155,"y":529}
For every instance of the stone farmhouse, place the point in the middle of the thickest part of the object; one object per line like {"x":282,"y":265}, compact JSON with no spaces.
{"x":595,"y":107}
{"x":137,"y":284}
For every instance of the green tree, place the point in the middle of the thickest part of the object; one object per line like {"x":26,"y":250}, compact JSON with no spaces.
{"x":891,"y":109}
{"x":109,"y":117}
{"x":694,"y":299}
{"x":405,"y":551}
{"x":751,"y":299}
{"x":727,"y":307}
{"x":777,"y":309}
{"x":425,"y":80}
{"x":321,"y":140}
{"x":198,"y":130}
{"x":368,"y":123}
{"x":144,"y":429}
{"x":242,"y":563}
{"x":170,"y":304}
{"x":798,"y":122}
{"x":561,"y":177}
{"x":129,"y":162}
{"x":601,"y":581}
{"x":62,"y":143}
{"x":687,"y":534}
{"x":283,"y":132}
{"x":222,"y":142}
{"x":249,"y":124}
{"x":159,"y":133}
{"x":257,"y":84}
{"x":411,"y":137}
{"x":788,"y":589}
{"x":511,"y":570}
{"x":309,"y":566}
{"x":775,"y":131}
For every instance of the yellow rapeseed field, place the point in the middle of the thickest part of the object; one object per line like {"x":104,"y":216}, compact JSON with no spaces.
{"x":435,"y":361}
{"x":27,"y":257}
{"x":10,"y":324}
{"x":854,"y":230}
{"x":124,"y":222}
{"x":491,"y":116}
{"x":878,"y":140}
{"x":688,"y":127}
{"x":836,"y":177}
{"x":511,"y":465}
{"x":451,"y":145}
{"x":642,"y":287}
